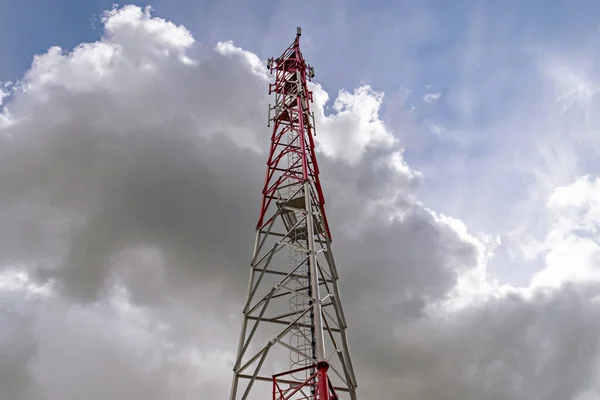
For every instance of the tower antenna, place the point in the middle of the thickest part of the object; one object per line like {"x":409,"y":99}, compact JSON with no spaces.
{"x":293,"y":333}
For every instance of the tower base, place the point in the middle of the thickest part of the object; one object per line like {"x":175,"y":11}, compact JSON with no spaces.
{"x":316,"y":387}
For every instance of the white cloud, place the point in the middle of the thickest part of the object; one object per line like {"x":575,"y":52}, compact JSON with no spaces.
{"x":572,"y":246}
{"x":17,"y":280}
{"x":355,"y":125}
{"x":431,"y":98}
{"x":437,"y":129}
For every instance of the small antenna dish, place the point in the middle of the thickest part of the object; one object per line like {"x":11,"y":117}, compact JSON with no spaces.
{"x":299,"y":31}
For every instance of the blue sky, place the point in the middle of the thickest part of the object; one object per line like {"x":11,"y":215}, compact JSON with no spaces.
{"x":385,"y":43}
{"x":483,"y":57}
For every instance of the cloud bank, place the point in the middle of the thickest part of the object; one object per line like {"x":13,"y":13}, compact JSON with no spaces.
{"x":130,"y":171}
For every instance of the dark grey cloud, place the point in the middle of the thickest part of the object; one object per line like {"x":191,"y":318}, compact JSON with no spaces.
{"x":543,"y":347}
{"x":17,"y":347}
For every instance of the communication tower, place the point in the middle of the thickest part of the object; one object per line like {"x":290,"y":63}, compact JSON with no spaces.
{"x":293,"y":342}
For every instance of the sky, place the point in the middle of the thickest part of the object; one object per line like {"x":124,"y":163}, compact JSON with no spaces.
{"x":458,"y":146}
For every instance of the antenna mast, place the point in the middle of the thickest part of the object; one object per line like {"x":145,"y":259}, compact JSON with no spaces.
{"x":293,"y":310}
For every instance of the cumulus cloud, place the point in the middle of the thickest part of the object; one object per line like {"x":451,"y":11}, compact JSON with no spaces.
{"x":571,"y":247}
{"x":431,"y":98}
{"x":511,"y":347}
{"x":354,"y":127}
{"x":130,"y":171}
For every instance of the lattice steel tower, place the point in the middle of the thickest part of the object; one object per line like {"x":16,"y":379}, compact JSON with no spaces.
{"x":293,"y":317}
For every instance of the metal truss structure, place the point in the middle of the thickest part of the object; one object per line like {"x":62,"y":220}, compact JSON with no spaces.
{"x":293,"y":310}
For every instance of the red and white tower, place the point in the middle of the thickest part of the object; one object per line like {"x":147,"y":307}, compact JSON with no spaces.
{"x":293,"y":342}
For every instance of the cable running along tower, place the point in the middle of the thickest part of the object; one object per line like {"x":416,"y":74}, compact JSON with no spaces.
{"x":293,"y":342}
